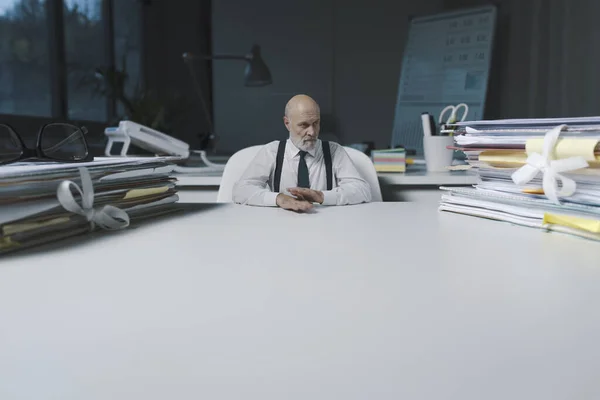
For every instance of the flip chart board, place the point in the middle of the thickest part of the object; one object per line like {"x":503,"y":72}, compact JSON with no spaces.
{"x":446,"y":61}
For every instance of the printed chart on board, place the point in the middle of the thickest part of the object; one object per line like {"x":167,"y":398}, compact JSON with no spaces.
{"x":446,"y":62}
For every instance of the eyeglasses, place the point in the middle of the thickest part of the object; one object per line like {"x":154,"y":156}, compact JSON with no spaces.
{"x":55,"y":141}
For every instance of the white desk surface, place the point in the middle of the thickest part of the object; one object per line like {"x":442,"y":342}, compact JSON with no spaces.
{"x":197,"y":180}
{"x":377,"y":301}
{"x":413,"y":177}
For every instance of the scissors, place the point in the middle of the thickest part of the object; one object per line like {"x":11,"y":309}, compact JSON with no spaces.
{"x":453,"y":110}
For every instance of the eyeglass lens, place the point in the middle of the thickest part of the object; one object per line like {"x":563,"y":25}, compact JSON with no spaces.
{"x":63,"y":142}
{"x":10,"y":145}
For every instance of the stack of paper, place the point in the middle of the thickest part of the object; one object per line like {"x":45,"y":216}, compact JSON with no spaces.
{"x":43,"y":202}
{"x":507,"y":143}
{"x":542,"y":173}
{"x":389,"y":160}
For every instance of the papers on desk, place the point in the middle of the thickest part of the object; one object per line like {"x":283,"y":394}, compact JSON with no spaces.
{"x":583,"y":221}
{"x":542,"y":173}
{"x":43,"y":202}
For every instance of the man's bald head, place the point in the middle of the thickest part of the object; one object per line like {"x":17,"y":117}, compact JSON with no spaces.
{"x":302,"y":119}
{"x":301,"y":102}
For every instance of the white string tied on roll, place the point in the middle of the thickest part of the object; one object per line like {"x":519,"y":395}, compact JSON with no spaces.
{"x":551,"y":169}
{"x":108,"y":217}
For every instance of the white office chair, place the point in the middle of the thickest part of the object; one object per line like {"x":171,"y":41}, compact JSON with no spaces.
{"x":237,"y":164}
{"x":366,"y":169}
{"x":235,"y":167}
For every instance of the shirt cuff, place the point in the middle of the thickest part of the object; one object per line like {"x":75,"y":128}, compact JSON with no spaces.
{"x":329,"y":198}
{"x":270,"y":199}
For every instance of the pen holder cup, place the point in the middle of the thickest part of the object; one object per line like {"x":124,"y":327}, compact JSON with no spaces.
{"x":437,"y":155}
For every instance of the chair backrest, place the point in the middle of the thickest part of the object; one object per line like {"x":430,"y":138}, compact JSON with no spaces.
{"x":235,"y":167}
{"x":367,"y":171}
{"x":237,"y":164}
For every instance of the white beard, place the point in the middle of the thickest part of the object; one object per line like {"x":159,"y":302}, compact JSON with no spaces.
{"x":305,"y":146}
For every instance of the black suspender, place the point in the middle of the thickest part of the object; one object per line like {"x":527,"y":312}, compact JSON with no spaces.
{"x":328,"y":168}
{"x":279,"y":165}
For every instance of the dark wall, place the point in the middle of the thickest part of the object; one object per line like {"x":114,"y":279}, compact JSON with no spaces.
{"x":172,"y":28}
{"x":297,"y":45}
{"x":346,"y":54}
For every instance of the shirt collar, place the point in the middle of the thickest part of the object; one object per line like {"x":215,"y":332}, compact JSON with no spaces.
{"x":293,"y":150}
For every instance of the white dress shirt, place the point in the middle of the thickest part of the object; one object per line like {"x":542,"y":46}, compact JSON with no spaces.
{"x":255,"y":187}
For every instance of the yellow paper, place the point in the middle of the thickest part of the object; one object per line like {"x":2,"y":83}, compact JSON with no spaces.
{"x":26,"y":226}
{"x":503,"y":158}
{"x":7,"y":243}
{"x":533,"y":191}
{"x":585,"y":224}
{"x":566,"y":147}
{"x":134,"y":193}
{"x":515,"y":159}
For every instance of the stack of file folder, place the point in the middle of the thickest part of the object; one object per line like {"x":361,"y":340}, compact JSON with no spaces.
{"x":541,"y":173}
{"x":43,"y":202}
{"x":389,"y":160}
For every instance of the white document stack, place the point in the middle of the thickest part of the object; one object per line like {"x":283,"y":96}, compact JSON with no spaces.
{"x":44,"y":202}
{"x":540,"y":173}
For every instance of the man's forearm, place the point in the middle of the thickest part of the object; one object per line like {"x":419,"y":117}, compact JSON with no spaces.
{"x":347,"y":194}
{"x":254,"y":196}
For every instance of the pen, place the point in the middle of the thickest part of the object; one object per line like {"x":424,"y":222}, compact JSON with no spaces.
{"x":433,"y":128}
{"x":426,"y":122}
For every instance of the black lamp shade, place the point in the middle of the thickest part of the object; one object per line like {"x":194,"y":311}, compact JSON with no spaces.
{"x":257,"y":73}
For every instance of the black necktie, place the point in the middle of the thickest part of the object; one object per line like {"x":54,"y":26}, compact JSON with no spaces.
{"x":303,"y":172}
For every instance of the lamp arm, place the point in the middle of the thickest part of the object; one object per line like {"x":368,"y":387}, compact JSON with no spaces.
{"x":249,"y":57}
{"x":230,"y":57}
{"x":190,"y":56}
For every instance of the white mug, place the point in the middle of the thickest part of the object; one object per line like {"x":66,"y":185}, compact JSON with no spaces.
{"x":437,"y":155}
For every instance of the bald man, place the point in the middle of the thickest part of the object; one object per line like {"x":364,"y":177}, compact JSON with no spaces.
{"x":298,"y":172}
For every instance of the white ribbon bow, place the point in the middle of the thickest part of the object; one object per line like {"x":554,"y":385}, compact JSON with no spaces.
{"x":109,"y":217}
{"x":550,"y":168}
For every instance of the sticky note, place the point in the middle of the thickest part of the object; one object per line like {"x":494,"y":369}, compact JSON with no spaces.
{"x":585,"y":224}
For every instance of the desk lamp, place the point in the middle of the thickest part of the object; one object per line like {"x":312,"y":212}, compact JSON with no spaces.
{"x":256,"y":74}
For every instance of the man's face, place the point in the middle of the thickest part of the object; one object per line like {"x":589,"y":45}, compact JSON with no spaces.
{"x":304,"y":125}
